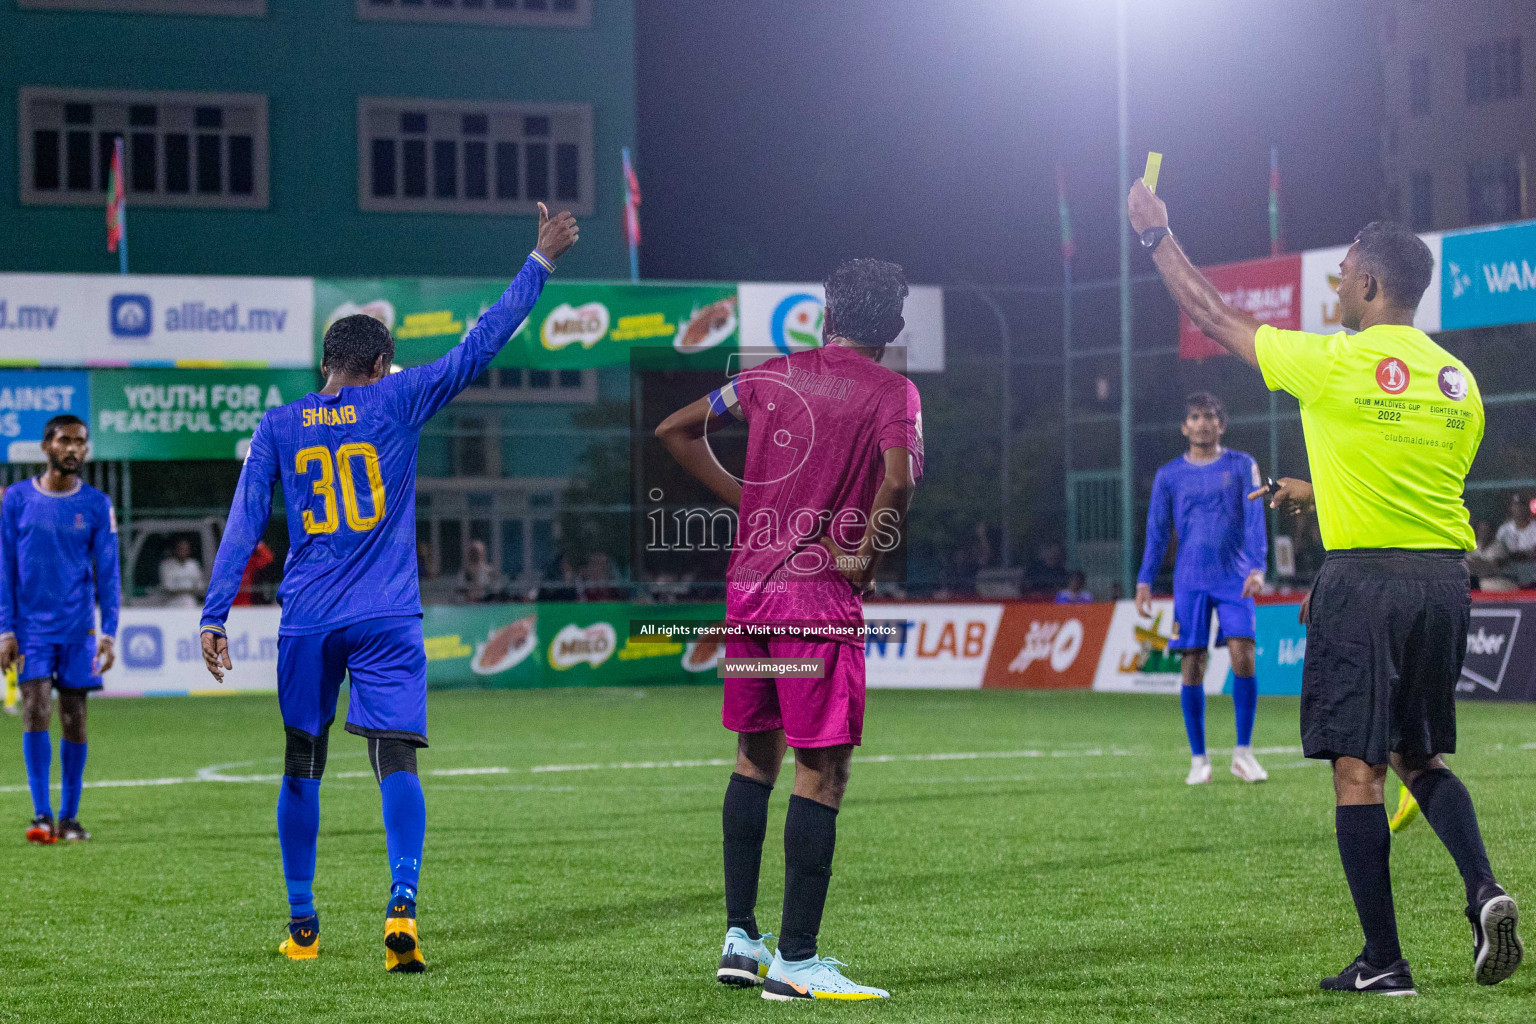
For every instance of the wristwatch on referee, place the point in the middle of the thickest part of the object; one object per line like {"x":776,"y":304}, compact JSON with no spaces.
{"x":1153,"y":237}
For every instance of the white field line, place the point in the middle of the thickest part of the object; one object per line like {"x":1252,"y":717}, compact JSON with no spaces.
{"x":224,"y":772}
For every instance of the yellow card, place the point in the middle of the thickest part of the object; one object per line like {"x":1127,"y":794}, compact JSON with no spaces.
{"x":1154,"y":164}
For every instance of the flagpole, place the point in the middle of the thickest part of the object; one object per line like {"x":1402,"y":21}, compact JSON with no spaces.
{"x":1067,"y":251}
{"x":631,"y":215}
{"x":117,"y":208}
{"x":1274,"y":200}
{"x":1274,"y":250}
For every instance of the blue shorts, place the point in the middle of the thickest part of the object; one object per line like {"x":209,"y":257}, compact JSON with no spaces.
{"x":386,"y":662}
{"x":69,"y":666}
{"x":1235,"y":617}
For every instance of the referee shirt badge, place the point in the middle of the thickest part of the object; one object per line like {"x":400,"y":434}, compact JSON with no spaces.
{"x":1392,"y":375}
{"x":1453,"y":383}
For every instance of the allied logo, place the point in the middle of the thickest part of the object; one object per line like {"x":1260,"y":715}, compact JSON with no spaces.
{"x":1453,"y":383}
{"x":796,"y":323}
{"x":143,"y":647}
{"x":1392,"y":375}
{"x":572,"y":325}
{"x":131,"y":316}
{"x":575,"y":644}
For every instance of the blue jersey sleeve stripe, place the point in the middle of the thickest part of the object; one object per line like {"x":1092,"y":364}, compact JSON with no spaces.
{"x":543,"y":260}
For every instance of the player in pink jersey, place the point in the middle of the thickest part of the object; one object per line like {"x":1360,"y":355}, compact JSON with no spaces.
{"x":834,"y":449}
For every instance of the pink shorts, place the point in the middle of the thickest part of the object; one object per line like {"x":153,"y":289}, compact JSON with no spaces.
{"x":826,"y":712}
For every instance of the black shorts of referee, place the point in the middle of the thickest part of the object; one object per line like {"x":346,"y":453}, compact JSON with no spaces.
{"x":1386,"y":635}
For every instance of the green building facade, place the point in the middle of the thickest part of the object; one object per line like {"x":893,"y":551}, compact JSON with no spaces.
{"x":339,"y":138}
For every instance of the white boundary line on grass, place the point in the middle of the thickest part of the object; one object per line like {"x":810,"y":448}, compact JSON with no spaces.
{"x":221,"y":772}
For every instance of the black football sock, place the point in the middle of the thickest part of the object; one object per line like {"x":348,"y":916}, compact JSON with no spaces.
{"x":1365,"y":848}
{"x":810,"y":834}
{"x":745,"y":822}
{"x":1447,"y":806}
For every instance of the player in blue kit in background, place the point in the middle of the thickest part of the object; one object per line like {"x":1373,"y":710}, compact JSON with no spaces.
{"x":1219,"y":567}
{"x":58,"y":564}
{"x":346,"y":457}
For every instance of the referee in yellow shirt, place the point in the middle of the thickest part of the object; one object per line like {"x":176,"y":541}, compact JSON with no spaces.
{"x":1392,"y":422}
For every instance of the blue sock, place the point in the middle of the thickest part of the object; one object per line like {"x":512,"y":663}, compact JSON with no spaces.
{"x":298,"y":829}
{"x":1245,"y":704}
{"x":405,"y":829}
{"x":1193,"y":700}
{"x":72,"y":761}
{"x":37,"y":751}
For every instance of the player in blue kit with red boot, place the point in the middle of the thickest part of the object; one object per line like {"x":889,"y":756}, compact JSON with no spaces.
{"x":58,"y":564}
{"x":346,"y":457}
{"x":1219,"y":567}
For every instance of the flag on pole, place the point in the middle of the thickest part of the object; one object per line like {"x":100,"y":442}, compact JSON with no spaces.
{"x":1067,"y":248}
{"x":632,"y":215}
{"x":117,"y":207}
{"x":1275,"y":246}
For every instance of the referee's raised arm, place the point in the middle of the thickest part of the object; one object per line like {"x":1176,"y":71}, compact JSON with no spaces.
{"x":1231,"y":328}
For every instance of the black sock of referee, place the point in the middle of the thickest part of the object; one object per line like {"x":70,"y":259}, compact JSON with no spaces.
{"x":1447,"y":806}
{"x":744,"y":820}
{"x":810,"y":834}
{"x":1365,"y":847}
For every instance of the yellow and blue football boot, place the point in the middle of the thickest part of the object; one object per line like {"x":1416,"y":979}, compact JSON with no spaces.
{"x":303,"y":941}
{"x":402,"y":948}
{"x":1407,"y":810}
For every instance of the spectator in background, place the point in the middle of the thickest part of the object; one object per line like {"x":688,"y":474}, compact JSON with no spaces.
{"x":1517,"y":538}
{"x":260,"y":559}
{"x":182,"y":579}
{"x":1048,"y":572}
{"x":426,"y":562}
{"x":1484,"y":560}
{"x":1076,"y":590}
{"x":480,"y":580}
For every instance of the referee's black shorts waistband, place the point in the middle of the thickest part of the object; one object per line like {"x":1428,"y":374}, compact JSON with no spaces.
{"x":1402,"y":563}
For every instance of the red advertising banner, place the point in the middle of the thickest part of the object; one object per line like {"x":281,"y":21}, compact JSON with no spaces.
{"x":1047,"y":646}
{"x":1270,"y":289}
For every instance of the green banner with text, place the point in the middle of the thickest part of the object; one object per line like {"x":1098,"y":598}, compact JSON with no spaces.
{"x":575,"y":325}
{"x":524,"y":646}
{"x":169,"y":415}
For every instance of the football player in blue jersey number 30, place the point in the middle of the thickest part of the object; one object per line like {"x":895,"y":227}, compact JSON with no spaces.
{"x":346,"y":457}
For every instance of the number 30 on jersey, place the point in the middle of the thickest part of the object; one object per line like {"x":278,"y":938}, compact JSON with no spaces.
{"x":327,"y":469}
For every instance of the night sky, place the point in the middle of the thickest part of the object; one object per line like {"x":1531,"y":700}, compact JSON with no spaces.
{"x":777,"y":137}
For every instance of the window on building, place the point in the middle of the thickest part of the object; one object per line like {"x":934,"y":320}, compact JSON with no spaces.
{"x":180,"y":149}
{"x":1493,"y":190}
{"x":1494,"y":71}
{"x":1418,"y":85}
{"x":1421,"y":189}
{"x":559,"y":13}
{"x":232,"y":8}
{"x":431,"y":156}
{"x":469,"y":446}
{"x":508,"y":385}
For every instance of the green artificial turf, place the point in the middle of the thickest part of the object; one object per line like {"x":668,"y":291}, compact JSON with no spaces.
{"x":1066,"y":873}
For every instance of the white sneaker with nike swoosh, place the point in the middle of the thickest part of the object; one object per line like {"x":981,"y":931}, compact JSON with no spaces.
{"x":815,"y":978}
{"x":1392,"y":980}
